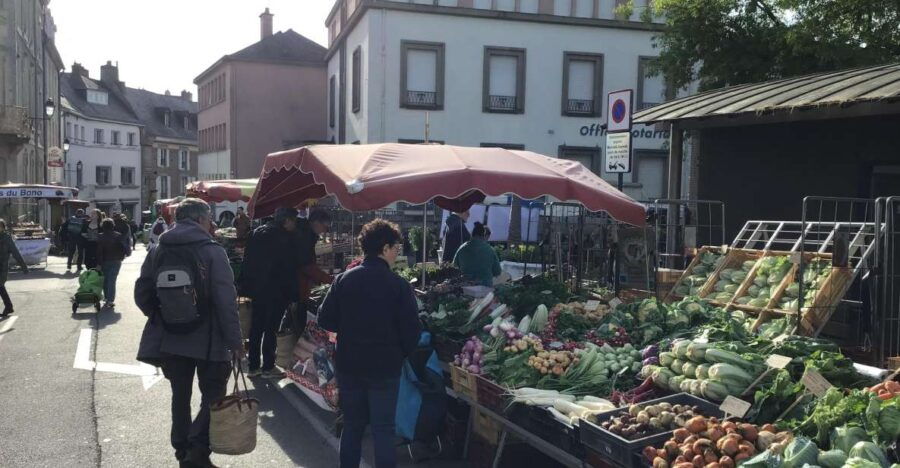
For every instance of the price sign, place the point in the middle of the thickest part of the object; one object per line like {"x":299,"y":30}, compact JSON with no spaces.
{"x":815,"y":383}
{"x":780,"y":338}
{"x":777,"y":361}
{"x":592,"y":305}
{"x":614,"y":302}
{"x":735,"y":406}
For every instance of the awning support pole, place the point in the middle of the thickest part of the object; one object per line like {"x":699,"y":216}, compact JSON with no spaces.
{"x":676,"y":155}
{"x":424,"y":241}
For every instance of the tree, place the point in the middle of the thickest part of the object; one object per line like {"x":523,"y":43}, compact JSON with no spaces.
{"x":729,"y":42}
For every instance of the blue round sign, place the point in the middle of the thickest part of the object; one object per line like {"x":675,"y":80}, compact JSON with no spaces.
{"x":618,"y":111}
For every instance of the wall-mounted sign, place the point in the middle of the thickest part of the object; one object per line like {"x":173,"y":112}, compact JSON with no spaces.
{"x":36,"y":192}
{"x":618,"y":152}
{"x":618,"y":116}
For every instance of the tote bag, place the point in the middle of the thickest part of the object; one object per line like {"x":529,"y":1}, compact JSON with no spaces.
{"x":233,"y":419}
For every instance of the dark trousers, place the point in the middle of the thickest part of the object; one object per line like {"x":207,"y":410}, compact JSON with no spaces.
{"x":192,"y":437}
{"x":267,"y":314}
{"x":110,"y":274}
{"x":366,"y":401}
{"x":74,"y":247}
{"x":90,"y":254}
{"x":7,"y":302}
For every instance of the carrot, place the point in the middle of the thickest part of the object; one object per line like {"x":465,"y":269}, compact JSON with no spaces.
{"x":878,"y":388}
{"x":885,"y":396}
{"x":892,"y":386}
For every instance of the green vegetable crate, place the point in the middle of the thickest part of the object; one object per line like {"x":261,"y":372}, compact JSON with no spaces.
{"x":624,"y":452}
{"x":731,"y":274}
{"x":697,"y":273}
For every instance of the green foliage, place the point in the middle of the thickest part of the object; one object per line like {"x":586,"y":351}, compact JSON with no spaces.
{"x":729,"y":42}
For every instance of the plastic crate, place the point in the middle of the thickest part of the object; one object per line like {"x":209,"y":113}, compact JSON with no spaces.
{"x":621,"y":451}
{"x":464,"y":382}
{"x":565,"y":437}
{"x":491,"y":396}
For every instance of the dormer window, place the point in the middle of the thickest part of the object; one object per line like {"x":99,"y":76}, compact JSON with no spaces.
{"x":167,"y":119}
{"x":97,"y":97}
{"x":187,"y":122}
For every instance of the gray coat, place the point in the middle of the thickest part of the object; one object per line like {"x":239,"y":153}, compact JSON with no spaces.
{"x":156,"y":342}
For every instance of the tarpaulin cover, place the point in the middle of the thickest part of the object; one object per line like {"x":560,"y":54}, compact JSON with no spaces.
{"x":370,"y":177}
{"x":217,"y":191}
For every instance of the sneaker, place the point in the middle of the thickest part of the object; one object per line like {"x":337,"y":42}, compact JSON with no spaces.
{"x":254,"y":372}
{"x":273,"y":373}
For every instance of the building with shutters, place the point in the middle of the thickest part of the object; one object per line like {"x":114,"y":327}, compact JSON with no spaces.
{"x":264,"y":98}
{"x":530,"y":74}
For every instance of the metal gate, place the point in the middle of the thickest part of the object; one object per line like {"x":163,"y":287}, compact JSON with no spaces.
{"x":697,"y":223}
{"x":885,"y":296}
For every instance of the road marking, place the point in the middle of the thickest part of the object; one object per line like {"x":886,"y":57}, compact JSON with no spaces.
{"x":149,"y":375}
{"x":7,"y":325}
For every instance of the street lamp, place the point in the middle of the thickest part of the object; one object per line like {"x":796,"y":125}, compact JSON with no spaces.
{"x":66,"y":144}
{"x":49,"y":107}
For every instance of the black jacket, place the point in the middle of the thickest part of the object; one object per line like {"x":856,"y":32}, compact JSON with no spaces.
{"x":306,"y":243}
{"x":374,"y":313}
{"x":270,"y":264}
{"x":456,"y":235}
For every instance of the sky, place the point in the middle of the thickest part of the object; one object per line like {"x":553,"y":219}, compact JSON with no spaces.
{"x":163,"y":44}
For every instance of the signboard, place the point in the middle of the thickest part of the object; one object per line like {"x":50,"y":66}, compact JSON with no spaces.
{"x":36,"y":192}
{"x":55,"y":163}
{"x":618,"y":152}
{"x":777,"y":361}
{"x":815,"y":383}
{"x":734,"y":406}
{"x":618,"y":116}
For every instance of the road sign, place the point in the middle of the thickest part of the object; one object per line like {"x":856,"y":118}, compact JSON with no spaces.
{"x":618,"y":152}
{"x":618,"y":116}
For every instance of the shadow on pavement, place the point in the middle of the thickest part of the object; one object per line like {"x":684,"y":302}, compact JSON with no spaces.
{"x":105,"y":317}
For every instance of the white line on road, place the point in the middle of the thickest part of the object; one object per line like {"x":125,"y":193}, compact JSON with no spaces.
{"x":149,"y":375}
{"x":7,"y":325}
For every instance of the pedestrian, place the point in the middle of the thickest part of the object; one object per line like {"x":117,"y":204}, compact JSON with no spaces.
{"x":476,"y":258}
{"x":75,"y":241}
{"x":62,"y":234}
{"x":455,"y":235}
{"x":121,"y":223}
{"x":269,"y":277}
{"x":110,"y":253}
{"x":7,"y":248}
{"x":374,"y":313}
{"x":309,"y":231}
{"x":158,"y":228}
{"x":135,"y":230}
{"x":207,"y":342}
{"x":242,"y":225}
{"x":90,"y":231}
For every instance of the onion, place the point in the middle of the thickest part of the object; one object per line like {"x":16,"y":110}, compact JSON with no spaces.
{"x":466,"y":362}
{"x":488,"y":327}
{"x":469,"y":346}
{"x":506,"y":326}
{"x":476,"y":357}
{"x":495,"y":332}
{"x":511,"y":335}
{"x":478,"y":347}
{"x":474,"y":369}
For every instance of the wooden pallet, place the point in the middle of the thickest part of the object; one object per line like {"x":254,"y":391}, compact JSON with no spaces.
{"x":733,"y":259}
{"x":672,"y":296}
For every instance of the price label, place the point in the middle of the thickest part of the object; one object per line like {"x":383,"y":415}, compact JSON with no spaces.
{"x":592,"y":305}
{"x":815,"y":383}
{"x":777,"y":361}
{"x":614,"y":302}
{"x":724,"y":248}
{"x":734,"y":406}
{"x":780,"y":338}
{"x":795,"y":257}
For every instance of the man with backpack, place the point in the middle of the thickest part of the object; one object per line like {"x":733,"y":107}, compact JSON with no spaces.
{"x":186,"y":290}
{"x":74,"y":241}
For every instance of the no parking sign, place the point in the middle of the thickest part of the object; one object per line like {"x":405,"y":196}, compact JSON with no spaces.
{"x":618,"y":131}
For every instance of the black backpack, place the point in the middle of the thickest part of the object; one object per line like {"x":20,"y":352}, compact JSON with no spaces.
{"x":182,"y":286}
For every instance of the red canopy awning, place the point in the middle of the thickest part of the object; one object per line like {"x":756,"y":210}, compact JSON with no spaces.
{"x":218,"y":191}
{"x":370,"y":177}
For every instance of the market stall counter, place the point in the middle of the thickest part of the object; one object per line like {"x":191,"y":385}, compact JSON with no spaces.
{"x":32,"y":239}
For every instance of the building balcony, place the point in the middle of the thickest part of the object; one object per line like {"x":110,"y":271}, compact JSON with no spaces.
{"x":15,"y":125}
{"x":421,"y":98}
{"x":502,"y":103}
{"x":580,"y":106}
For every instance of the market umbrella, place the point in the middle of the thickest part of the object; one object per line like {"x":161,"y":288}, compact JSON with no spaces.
{"x":218,"y":191}
{"x":370,"y":177}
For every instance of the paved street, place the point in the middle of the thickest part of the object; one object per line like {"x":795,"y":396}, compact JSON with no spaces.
{"x":57,"y":415}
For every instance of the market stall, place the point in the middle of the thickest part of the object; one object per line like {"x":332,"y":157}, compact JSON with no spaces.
{"x":32,"y":239}
{"x":215,"y":191}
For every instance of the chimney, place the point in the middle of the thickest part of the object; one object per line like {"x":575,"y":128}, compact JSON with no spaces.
{"x":168,"y":93}
{"x":77,"y":69}
{"x":109,"y":73}
{"x":265,"y":24}
{"x":187,"y":96}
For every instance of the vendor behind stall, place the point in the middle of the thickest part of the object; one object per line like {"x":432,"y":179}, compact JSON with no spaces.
{"x":476,"y":259}
{"x":455,"y":235}
{"x":308,"y":232}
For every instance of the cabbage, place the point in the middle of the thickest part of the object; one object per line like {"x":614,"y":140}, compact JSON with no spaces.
{"x":858,"y":462}
{"x":765,"y":459}
{"x":720,"y":286}
{"x":758,"y":302}
{"x":793,"y":290}
{"x":761,"y":280}
{"x":700,"y":269}
{"x":799,"y":452}
{"x":724,"y":296}
{"x":726,"y":273}
{"x":832,"y":459}
{"x":748,"y":265}
{"x":743,"y":299}
{"x":731,"y":288}
{"x":753,"y":290}
{"x":869,"y":451}
{"x":738,"y":276}
{"x":845,"y":437}
{"x":694,"y":291}
{"x":682,"y":290}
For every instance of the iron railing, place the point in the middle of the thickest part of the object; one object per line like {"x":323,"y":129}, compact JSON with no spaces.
{"x":421,"y":98}
{"x":580,"y":106}
{"x":502,"y":103}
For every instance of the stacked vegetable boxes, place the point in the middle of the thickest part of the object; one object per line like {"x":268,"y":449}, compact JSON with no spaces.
{"x":697,"y":273}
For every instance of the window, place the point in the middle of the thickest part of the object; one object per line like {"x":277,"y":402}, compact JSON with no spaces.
{"x":68,"y":129}
{"x":97,"y":97}
{"x":82,"y":134}
{"x":79,"y":175}
{"x":104,"y":175}
{"x":422,"y":75}
{"x":115,"y":137}
{"x":588,"y":156}
{"x":162,"y":186}
{"x":167,"y":119}
{"x":582,"y":93}
{"x":331,"y":99}
{"x":131,"y":137}
{"x":651,"y":90}
{"x":184,"y":161}
{"x":506,"y":5}
{"x":584,"y":8}
{"x":162,"y":159}
{"x":127,"y":176}
{"x":504,"y":80}
{"x":185,"y":180}
{"x":356,"y":76}
{"x":98,"y":136}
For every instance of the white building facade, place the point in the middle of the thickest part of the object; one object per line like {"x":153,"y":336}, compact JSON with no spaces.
{"x":522,"y":74}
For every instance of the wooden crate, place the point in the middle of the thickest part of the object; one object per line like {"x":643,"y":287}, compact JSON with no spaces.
{"x":672,"y":296}
{"x":464,"y":382}
{"x":826,"y":301}
{"x":733,"y":259}
{"x":486,"y":427}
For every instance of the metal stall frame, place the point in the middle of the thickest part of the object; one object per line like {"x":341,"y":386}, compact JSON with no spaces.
{"x":886,"y":310}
